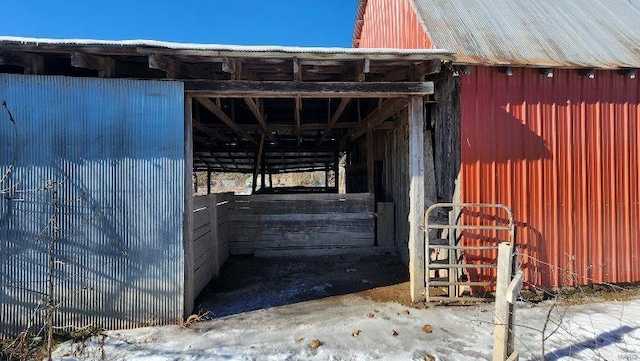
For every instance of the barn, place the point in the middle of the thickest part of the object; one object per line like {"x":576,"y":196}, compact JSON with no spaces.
{"x":100,"y":141}
{"x":546,"y":108}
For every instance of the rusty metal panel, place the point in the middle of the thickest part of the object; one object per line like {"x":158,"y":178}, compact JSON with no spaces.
{"x":389,"y":24}
{"x":563,"y":153}
{"x":568,"y":33}
{"x":115,"y":150}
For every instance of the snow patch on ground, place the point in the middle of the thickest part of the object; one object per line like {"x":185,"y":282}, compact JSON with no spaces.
{"x":606,"y":330}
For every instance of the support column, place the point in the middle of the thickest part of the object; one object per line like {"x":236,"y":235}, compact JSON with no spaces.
{"x":416,"y":199}
{"x":370,"y":161}
{"x":189,"y":280}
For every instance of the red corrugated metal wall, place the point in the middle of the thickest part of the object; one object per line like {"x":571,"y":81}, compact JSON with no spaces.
{"x":564,"y":154}
{"x":392,"y":24}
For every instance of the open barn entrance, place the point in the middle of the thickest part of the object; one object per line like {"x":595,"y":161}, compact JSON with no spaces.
{"x":357,"y":122}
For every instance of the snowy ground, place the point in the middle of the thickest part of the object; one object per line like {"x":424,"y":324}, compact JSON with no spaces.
{"x":605,"y":330}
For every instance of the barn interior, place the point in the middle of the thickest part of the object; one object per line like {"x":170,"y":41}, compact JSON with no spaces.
{"x":347,"y":115}
{"x":372,"y":120}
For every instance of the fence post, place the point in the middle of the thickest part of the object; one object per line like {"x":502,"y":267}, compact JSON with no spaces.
{"x":507,"y":289}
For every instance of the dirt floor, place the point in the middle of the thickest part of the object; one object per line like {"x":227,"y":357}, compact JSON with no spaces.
{"x":249,"y":283}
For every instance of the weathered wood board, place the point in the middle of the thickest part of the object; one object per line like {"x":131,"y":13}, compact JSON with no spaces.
{"x":300,"y":221}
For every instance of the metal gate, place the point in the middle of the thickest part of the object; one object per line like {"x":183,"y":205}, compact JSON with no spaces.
{"x":448,"y":269}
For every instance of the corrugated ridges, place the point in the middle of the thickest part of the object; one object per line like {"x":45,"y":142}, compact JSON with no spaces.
{"x":115,"y":147}
{"x":551,"y":33}
{"x":563,"y":153}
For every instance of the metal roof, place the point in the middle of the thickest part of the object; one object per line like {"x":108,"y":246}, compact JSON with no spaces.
{"x":541,"y":33}
{"x":219,"y":50}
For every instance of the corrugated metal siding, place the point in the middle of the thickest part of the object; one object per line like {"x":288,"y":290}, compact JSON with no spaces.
{"x":392,"y":24}
{"x":116,"y":149}
{"x":567,"y":33}
{"x":564,"y":153}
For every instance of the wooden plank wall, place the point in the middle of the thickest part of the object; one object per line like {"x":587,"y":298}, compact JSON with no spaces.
{"x":210,"y":244}
{"x":446,"y":119}
{"x":286,"y":222}
{"x":396,"y":180}
{"x":393,"y":150}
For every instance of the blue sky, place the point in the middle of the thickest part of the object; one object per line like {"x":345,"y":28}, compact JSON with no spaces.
{"x":243,"y":22}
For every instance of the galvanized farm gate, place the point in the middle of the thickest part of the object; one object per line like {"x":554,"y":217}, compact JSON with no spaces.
{"x":447,"y":271}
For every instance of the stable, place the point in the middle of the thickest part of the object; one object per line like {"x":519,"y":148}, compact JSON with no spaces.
{"x":101,"y":140}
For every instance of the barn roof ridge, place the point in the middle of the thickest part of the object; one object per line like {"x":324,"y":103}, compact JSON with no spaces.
{"x":545,"y":33}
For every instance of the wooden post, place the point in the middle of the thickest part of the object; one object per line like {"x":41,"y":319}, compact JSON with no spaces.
{"x":326,"y":176}
{"x":506,"y":293}
{"x":263,"y":181}
{"x":416,"y":199}
{"x":213,"y":222}
{"x":370,"y":160}
{"x":256,"y":164}
{"x":189,"y":281}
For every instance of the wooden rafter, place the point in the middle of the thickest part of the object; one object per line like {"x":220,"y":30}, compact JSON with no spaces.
{"x":334,"y":119}
{"x":175,"y":69}
{"x":379,"y":115}
{"x":253,"y":106}
{"x":212,"y":132}
{"x":31,"y":63}
{"x":105,"y":66}
{"x":217,"y":110}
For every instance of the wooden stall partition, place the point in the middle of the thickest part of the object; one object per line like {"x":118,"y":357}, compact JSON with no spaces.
{"x":210,"y":244}
{"x":304,"y":224}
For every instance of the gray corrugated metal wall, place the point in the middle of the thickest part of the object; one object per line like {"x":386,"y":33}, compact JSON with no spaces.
{"x":116,"y":149}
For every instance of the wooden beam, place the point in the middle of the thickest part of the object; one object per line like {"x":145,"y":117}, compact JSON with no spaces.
{"x":187,"y":221}
{"x":257,"y":162}
{"x":298,"y":110}
{"x":228,"y":66}
{"x":379,"y":115}
{"x":105,"y":66}
{"x":215,"y":109}
{"x":208,"y":130}
{"x":291,"y":89}
{"x":253,"y":106}
{"x":31,"y":63}
{"x":365,"y":68}
{"x":370,"y":161}
{"x":416,"y":199}
{"x":415,"y":73}
{"x":175,"y":69}
{"x":297,"y":70}
{"x":334,"y":119}
{"x":291,"y":127}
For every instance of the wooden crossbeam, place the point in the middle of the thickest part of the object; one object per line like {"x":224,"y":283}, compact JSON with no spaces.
{"x":379,"y":115}
{"x":292,"y":89}
{"x":105,"y":66}
{"x":31,"y":63}
{"x":253,"y":106}
{"x":175,"y":69}
{"x":334,"y":119}
{"x":291,"y":127}
{"x":217,"y":110}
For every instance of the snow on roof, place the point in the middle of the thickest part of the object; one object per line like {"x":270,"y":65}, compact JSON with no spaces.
{"x":221,"y":48}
